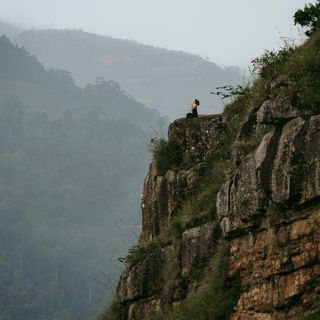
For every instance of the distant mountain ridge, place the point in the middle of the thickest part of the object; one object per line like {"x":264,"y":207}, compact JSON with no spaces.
{"x":9,"y":30}
{"x":20,"y":69}
{"x":159,"y":78}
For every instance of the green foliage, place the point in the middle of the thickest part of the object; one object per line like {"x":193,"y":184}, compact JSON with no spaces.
{"x":308,"y":17}
{"x":303,"y":71}
{"x":166,"y":153}
{"x":176,"y":226}
{"x":213,"y":300}
{"x":139,"y":252}
{"x":115,"y":311}
{"x":270,"y":63}
{"x":229,"y":91}
{"x":300,"y":68}
{"x":68,"y":159}
{"x":299,"y":65}
{"x":315,"y":316}
{"x":249,"y":142}
{"x":135,"y":255}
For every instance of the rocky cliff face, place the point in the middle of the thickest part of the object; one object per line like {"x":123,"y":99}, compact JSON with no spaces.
{"x":269,"y":211}
{"x":163,"y":195}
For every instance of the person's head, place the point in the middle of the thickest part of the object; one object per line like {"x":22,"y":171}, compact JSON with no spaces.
{"x":196,"y":101}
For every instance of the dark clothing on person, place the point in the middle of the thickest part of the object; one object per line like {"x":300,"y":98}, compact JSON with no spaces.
{"x":193,"y":108}
{"x":192,"y":114}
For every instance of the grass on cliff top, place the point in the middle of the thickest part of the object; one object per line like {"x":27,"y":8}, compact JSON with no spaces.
{"x":166,"y":153}
{"x":201,"y":206}
{"x":115,"y":311}
{"x":303,"y":69}
{"x":197,"y":209}
{"x":301,"y":65}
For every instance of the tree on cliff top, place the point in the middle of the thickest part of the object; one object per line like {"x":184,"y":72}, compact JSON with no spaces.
{"x":308,"y":17}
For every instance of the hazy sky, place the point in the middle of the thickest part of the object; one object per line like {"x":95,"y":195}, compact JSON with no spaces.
{"x":228,"y":32}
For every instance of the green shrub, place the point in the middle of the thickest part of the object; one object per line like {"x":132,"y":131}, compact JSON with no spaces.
{"x":233,"y":92}
{"x":214,"y":299}
{"x":166,"y":153}
{"x":115,"y":311}
{"x":138,"y":253}
{"x":270,"y":64}
{"x":303,"y":68}
{"x":315,"y":316}
{"x":308,"y":17}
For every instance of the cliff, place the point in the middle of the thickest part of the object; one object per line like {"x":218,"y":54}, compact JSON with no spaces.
{"x":268,"y":210}
{"x":233,"y":231}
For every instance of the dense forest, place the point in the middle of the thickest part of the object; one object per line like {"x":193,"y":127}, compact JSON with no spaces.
{"x":72,"y":164}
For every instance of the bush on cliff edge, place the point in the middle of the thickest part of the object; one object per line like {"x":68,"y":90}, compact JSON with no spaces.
{"x":166,"y":153}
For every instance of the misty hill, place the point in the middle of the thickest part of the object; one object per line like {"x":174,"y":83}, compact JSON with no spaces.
{"x":159,"y":78}
{"x":72,"y":163}
{"x":22,"y":73}
{"x":9,"y":30}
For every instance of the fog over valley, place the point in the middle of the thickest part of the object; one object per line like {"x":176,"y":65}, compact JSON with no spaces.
{"x":84,"y":88}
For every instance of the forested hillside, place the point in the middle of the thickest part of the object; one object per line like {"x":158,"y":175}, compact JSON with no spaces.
{"x":162,"y":79}
{"x":72,"y":163}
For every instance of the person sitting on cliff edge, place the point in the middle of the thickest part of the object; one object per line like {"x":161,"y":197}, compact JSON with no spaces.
{"x":193,"y":109}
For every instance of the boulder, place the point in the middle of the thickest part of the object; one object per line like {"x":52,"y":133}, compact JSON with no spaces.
{"x":278,"y":110}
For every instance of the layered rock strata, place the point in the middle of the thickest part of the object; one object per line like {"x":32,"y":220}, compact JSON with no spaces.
{"x":269,"y":210}
{"x":163,"y":194}
{"x":143,"y":288}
